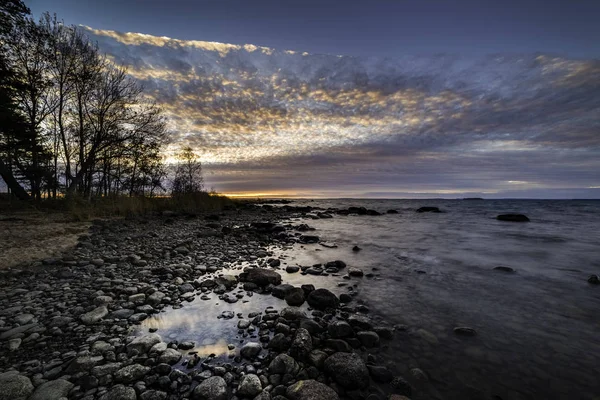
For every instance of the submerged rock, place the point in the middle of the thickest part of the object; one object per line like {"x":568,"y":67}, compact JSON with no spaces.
{"x":594,"y":280}
{"x":504,"y":269}
{"x":428,"y":209}
{"x":322,"y":299}
{"x":465,"y":331}
{"x":512,"y":217}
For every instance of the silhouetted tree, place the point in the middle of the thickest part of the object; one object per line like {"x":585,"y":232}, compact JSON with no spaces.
{"x":188,"y":173}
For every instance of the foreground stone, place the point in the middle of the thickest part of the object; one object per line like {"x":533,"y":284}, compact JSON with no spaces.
{"x":348,"y":370}
{"x":14,"y":386}
{"x":310,"y":390}
{"x":213,"y":388}
{"x":322,"y":299}
{"x":52,"y":390}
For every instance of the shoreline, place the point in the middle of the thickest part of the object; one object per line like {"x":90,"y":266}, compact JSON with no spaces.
{"x":76,"y":314}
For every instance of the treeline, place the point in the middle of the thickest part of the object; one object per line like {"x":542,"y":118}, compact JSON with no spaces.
{"x":71,"y":121}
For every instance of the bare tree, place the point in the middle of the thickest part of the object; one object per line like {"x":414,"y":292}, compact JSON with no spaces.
{"x":188,"y":174}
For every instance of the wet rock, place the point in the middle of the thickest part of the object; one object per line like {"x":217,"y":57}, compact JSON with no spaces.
{"x":284,"y":364}
{"x":340,"y":329}
{"x":348,"y":370}
{"x":169,"y":356}
{"x":95,"y":315}
{"x":594,"y":280}
{"x":295,"y":297}
{"x":368,"y":338}
{"x":155,"y":298}
{"x":345,"y":298}
{"x":512,"y":218}
{"x":213,"y":388}
{"x":391,"y":212}
{"x":120,"y":392}
{"x":292,"y":313}
{"x":356,"y":272}
{"x":317,"y":358}
{"x":250,"y":350}
{"x":280,"y":291}
{"x":380,"y":374}
{"x":465,"y":331}
{"x":52,"y":390}
{"x":123,"y":313}
{"x":301,"y":345}
{"x":261,"y":277}
{"x":428,"y":209}
{"x":292,"y":269}
{"x":504,"y":269}
{"x":401,"y":386}
{"x":14,"y":386}
{"x":310,"y":390}
{"x":144,"y":343}
{"x":322,"y":299}
{"x":249,"y":386}
{"x":360,"y":321}
{"x":153,"y":395}
{"x":309,"y":239}
{"x":131,"y":373}
{"x":356,"y":248}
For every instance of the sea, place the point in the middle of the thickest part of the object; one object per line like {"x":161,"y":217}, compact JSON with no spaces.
{"x":537,"y":328}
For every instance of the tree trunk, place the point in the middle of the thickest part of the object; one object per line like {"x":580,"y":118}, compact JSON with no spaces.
{"x":12,"y":183}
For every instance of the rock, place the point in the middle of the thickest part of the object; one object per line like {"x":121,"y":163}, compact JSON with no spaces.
{"x":213,"y":388}
{"x":14,"y":344}
{"x":170,"y":356}
{"x":368,"y":338}
{"x":340,"y":329}
{"x":594,"y":280}
{"x":401,"y":386}
{"x":95,"y":315}
{"x":380,"y":374}
{"x":284,"y":364}
{"x":295,"y":297}
{"x":243,"y":324}
{"x":348,"y":370}
{"x":512,"y":218}
{"x":262,"y":276}
{"x":345,"y":298}
{"x":317,"y":358}
{"x":356,"y":248}
{"x":292,"y":269}
{"x":250,"y":350}
{"x":465,"y":331}
{"x":153,"y":395}
{"x":280,"y":291}
{"x":123,"y":313}
{"x":14,"y":386}
{"x":301,"y":345}
{"x":356,"y":272}
{"x":292,"y":313}
{"x":310,"y":390}
{"x":504,"y":269}
{"x":131,"y":373}
{"x":120,"y":392}
{"x":391,"y":212}
{"x":137,"y":299}
{"x":144,"y":343}
{"x":249,"y":386}
{"x":428,"y":209}
{"x":15,"y":331}
{"x":309,"y":239}
{"x":155,"y":298}
{"x":322,"y":299}
{"x":360,"y":321}
{"x":52,"y":390}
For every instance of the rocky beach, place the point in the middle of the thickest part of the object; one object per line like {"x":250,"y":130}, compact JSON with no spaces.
{"x":283,"y":301}
{"x":73,"y":326}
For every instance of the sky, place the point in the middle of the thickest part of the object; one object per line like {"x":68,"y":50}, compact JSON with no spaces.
{"x":368,"y":98}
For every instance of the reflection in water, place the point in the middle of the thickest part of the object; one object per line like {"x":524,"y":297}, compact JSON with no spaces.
{"x":537,"y":328}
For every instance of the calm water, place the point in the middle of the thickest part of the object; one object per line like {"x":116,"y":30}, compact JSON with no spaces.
{"x":538,"y":329}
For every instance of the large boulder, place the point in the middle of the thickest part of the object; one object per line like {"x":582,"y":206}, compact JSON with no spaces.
{"x":280,"y":291}
{"x":348,"y":370}
{"x":213,"y":388}
{"x":250,"y":350}
{"x":52,"y":390}
{"x":261,"y":276}
{"x":14,"y":386}
{"x":322,"y":299}
{"x":512,"y":218}
{"x":295,"y":297}
{"x":310,"y":390}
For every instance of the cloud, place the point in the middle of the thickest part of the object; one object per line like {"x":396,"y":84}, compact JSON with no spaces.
{"x":281,"y":120}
